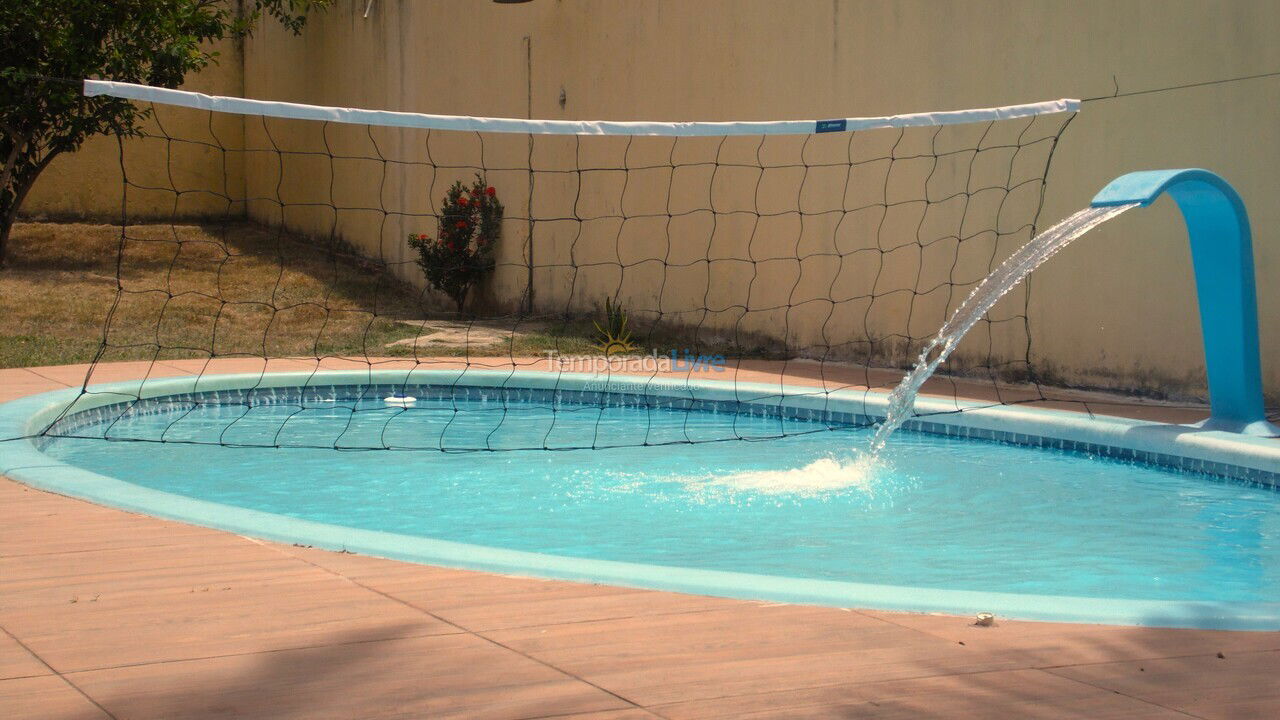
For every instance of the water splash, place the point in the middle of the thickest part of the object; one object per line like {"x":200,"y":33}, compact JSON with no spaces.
{"x":816,"y":478}
{"x":993,"y":287}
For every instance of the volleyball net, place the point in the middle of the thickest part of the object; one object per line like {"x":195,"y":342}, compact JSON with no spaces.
{"x":818,"y":255}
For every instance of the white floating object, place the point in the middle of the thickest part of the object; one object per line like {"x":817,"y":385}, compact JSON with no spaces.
{"x":400,"y":401}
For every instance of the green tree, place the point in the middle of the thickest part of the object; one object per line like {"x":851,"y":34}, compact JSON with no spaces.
{"x":47,"y":46}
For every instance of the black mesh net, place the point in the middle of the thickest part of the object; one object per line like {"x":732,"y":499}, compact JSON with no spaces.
{"x":624,"y":270}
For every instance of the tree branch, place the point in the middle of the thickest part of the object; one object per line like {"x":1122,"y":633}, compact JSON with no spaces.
{"x":11,"y":162}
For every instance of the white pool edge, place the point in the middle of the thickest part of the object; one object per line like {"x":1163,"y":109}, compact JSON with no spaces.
{"x":21,"y":460}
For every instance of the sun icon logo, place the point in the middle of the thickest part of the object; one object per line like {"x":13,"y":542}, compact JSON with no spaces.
{"x":612,"y":347}
{"x":614,"y":337}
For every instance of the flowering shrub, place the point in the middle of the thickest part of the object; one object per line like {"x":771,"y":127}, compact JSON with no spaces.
{"x":462,"y":251}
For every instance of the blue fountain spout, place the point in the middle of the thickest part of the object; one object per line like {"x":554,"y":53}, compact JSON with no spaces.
{"x":1222,"y":255}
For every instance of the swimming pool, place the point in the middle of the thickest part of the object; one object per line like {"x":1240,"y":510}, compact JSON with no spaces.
{"x":1027,"y":513}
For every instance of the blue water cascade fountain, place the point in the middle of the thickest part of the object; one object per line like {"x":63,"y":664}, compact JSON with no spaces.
{"x":1222,"y":253}
{"x":1222,"y":256}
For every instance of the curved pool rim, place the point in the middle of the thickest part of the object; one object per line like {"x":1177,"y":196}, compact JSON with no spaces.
{"x":1227,"y":454}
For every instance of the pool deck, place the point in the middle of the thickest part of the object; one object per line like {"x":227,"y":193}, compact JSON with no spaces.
{"x":108,"y":614}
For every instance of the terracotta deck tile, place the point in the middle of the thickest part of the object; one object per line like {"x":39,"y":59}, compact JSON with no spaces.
{"x":632,"y":714}
{"x":25,"y":570}
{"x":54,"y":377}
{"x":567,"y":606}
{"x":340,"y":363}
{"x":16,"y":383}
{"x":198,"y":614}
{"x":45,"y":698}
{"x":351,"y":676}
{"x":1239,"y":685}
{"x":453,"y":590}
{"x":1048,"y":644}
{"x":226,"y":366}
{"x":74,"y":375}
{"x":483,"y":601}
{"x":8,"y":375}
{"x":124,"y":584}
{"x":749,"y":648}
{"x":441,"y":587}
{"x":1023,"y":694}
{"x":361,"y":567}
{"x":90,"y":535}
{"x":80,"y":526}
{"x":16,"y":661}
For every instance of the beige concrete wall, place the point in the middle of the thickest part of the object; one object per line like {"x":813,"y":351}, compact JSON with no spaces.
{"x":1118,"y":307}
{"x":87,"y":183}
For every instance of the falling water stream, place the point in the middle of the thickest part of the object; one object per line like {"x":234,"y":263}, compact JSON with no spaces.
{"x":993,"y":287}
{"x":833,"y":473}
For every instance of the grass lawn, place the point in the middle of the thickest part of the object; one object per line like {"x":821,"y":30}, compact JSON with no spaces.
{"x":231,"y":290}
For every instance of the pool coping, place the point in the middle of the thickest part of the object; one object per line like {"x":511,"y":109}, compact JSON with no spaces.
{"x":1132,"y":439}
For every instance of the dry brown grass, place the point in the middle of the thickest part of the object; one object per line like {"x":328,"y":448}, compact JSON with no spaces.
{"x":190,"y":291}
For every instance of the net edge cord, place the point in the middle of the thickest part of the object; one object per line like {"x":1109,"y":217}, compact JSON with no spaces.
{"x":389,"y":118}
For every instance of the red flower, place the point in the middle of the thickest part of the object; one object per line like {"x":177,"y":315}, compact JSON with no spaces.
{"x":462,"y":224}
{"x":462,"y":200}
{"x":490,"y":191}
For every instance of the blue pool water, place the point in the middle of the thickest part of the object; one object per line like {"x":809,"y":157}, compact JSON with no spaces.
{"x":932,"y":512}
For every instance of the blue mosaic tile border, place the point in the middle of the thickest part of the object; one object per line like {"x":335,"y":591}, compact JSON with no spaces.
{"x":328,"y":395}
{"x":1177,"y":462}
